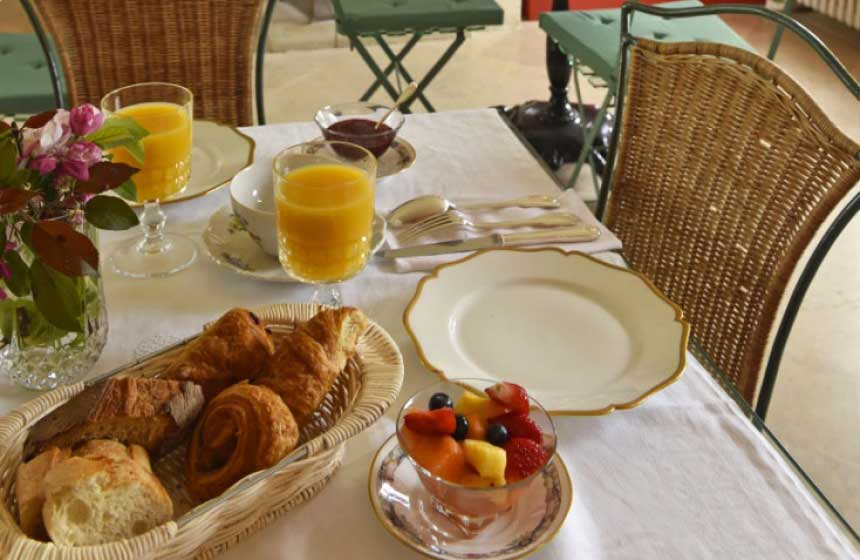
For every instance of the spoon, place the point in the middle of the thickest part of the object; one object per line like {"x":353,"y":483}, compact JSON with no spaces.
{"x":404,"y":95}
{"x":422,"y":207}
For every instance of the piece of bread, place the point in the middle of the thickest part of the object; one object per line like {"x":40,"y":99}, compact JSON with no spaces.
{"x":235,"y":347}
{"x":114,"y":450}
{"x":308,"y":360}
{"x":103,"y":497}
{"x":245,"y":428}
{"x":30,"y":490}
{"x":153,"y":413}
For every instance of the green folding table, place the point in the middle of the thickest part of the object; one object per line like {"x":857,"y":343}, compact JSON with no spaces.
{"x":357,"y":19}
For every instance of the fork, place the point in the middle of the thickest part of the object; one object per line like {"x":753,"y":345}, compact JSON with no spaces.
{"x":453,"y":219}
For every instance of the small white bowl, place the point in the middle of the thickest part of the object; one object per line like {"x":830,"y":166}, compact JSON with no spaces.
{"x":252,"y":197}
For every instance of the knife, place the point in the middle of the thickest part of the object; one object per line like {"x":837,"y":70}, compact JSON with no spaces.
{"x":554,"y":235}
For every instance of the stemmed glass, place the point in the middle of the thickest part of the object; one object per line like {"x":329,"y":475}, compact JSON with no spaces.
{"x":165,"y":111}
{"x":324,"y":194}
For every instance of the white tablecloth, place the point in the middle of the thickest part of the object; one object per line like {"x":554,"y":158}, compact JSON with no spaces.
{"x":685,"y":475}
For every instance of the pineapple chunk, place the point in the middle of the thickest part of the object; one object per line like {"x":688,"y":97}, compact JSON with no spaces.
{"x":487,"y":459}
{"x":479,"y":405}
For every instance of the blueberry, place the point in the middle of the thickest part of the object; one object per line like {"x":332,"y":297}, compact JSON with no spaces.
{"x":441,"y":400}
{"x":497,"y":434}
{"x":462,"y":428}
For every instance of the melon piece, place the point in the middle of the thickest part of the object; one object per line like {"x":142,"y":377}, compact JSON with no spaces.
{"x":439,"y":454}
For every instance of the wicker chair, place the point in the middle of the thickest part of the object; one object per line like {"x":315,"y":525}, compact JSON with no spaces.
{"x":725,"y":169}
{"x":213,"y":47}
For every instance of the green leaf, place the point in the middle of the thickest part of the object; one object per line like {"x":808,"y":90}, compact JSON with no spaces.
{"x":110,"y":212}
{"x":135,"y":149}
{"x":120,"y":136}
{"x":19,"y":282}
{"x":27,"y":234}
{"x":127,"y":190}
{"x":56,"y":297}
{"x":8,"y":160}
{"x":126,"y":124}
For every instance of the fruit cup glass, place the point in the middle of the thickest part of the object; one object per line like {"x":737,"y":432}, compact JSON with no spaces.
{"x":472,"y":509}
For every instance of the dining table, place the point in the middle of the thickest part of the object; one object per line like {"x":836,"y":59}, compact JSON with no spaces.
{"x":689,"y":473}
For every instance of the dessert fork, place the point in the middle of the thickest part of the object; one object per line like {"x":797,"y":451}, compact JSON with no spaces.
{"x":453,"y":219}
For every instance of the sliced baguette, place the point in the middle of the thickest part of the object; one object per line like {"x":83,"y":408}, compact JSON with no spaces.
{"x":30,"y":490}
{"x":153,"y":413}
{"x":95,"y":500}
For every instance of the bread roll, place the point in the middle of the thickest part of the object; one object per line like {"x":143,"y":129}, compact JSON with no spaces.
{"x":308,"y":360}
{"x":244,"y":429}
{"x":101,"y":497}
{"x":153,"y":413}
{"x":234,"y":348}
{"x":30,"y":490}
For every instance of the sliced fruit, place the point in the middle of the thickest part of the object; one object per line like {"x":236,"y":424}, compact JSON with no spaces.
{"x":474,"y":480}
{"x":462,"y":429}
{"x":497,"y":434}
{"x":519,"y":425}
{"x":439,"y":454}
{"x":524,"y":456}
{"x":474,"y":404}
{"x":510,"y":395}
{"x":487,"y":459}
{"x":477,"y":426}
{"x":439,"y":421}
{"x":440,"y":400}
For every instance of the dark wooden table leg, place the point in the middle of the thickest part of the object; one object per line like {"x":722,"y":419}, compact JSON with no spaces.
{"x":554,"y":127}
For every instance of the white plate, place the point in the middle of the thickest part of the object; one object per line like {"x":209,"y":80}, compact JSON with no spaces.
{"x":218,"y":152}
{"x":231,"y":246}
{"x":583,"y":336}
{"x":407,"y":511}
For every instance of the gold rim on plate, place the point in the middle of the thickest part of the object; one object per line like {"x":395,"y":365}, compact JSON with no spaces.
{"x":679,"y":318}
{"x":185,"y":194}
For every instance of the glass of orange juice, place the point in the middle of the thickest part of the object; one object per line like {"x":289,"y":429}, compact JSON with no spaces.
{"x":166,"y":112}
{"x":324,"y":194}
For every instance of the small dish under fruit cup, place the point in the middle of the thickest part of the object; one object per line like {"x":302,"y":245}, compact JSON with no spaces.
{"x":471,"y":508}
{"x":355,"y":122}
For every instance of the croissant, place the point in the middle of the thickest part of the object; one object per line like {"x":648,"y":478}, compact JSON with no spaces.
{"x":245,"y":428}
{"x":234,"y":348}
{"x":307,"y":361}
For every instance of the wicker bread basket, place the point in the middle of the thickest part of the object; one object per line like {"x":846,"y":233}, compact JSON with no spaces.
{"x":361,"y":394}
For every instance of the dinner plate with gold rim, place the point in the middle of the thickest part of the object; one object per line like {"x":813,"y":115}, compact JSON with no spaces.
{"x":405,"y":509}
{"x":230,"y":245}
{"x":397,"y":158}
{"x":218,"y":152}
{"x":586,"y":337}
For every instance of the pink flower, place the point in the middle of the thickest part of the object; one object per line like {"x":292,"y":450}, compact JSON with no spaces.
{"x":84,"y":151}
{"x":85,"y":119}
{"x":74,"y":168}
{"x":11,"y":245}
{"x":52,"y":137}
{"x":2,"y":294}
{"x":5,"y":271}
{"x":43,"y":164}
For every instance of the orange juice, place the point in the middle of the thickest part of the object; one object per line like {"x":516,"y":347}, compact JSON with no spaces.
{"x":325,"y":214}
{"x":167,"y":149}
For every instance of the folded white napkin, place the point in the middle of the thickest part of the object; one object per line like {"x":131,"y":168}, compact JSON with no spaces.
{"x":570,"y":202}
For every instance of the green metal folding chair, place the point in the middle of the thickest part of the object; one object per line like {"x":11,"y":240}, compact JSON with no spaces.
{"x":27,"y":85}
{"x":376,"y":18}
{"x":590,"y":40}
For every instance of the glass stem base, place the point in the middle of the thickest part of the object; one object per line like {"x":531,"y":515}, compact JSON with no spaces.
{"x":328,"y":294}
{"x":157,"y":253}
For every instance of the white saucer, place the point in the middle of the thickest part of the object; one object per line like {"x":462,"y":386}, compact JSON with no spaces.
{"x":404,"y":508}
{"x":398,"y":157}
{"x":231,"y":246}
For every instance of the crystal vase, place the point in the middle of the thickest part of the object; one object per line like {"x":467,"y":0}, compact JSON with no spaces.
{"x":39,"y":355}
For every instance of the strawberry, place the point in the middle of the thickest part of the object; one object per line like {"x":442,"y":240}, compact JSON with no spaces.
{"x":524,"y":458}
{"x":519,"y":426}
{"x":510,"y":395}
{"x":439,"y":421}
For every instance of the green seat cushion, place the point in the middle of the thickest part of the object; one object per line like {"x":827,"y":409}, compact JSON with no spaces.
{"x":364,"y":17}
{"x":24,"y":72}
{"x":593,"y":36}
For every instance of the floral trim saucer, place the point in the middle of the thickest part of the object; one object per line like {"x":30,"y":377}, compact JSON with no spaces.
{"x":231,"y":246}
{"x":404,"y":508}
{"x":399,"y":157}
